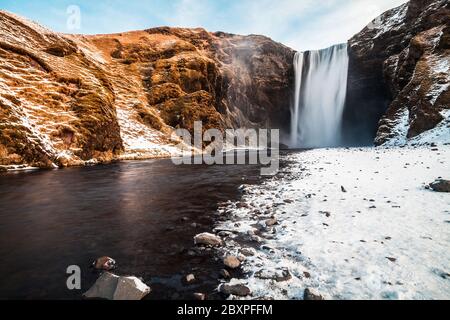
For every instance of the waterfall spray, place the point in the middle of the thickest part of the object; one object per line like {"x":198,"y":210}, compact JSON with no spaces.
{"x":320,"y":92}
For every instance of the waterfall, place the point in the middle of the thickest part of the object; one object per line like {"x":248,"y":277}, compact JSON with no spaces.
{"x":320,"y":92}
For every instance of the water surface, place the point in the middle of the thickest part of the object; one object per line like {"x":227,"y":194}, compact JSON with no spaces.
{"x":140,"y":213}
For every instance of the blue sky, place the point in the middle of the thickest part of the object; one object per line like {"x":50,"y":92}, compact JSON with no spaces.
{"x":300,"y":24}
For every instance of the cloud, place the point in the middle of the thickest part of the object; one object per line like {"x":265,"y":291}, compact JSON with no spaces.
{"x":303,"y":25}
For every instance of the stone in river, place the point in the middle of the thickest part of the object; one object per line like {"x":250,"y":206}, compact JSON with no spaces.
{"x":111,"y":287}
{"x":104,"y":263}
{"x":104,"y":287}
{"x":225,"y":274}
{"x":207,"y":239}
{"x":231,"y":262}
{"x":190,"y":278}
{"x":199,"y":296}
{"x":131,"y":288}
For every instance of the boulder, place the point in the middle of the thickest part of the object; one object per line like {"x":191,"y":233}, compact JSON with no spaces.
{"x":440,"y":185}
{"x":236,"y":290}
{"x":207,"y":239}
{"x":231,"y":262}
{"x":112,"y":287}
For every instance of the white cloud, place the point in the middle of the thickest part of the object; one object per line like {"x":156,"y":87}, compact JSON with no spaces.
{"x":303,"y":25}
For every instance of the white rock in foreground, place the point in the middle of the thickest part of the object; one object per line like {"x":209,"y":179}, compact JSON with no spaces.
{"x":104,"y":287}
{"x":131,"y":288}
{"x":111,"y":287}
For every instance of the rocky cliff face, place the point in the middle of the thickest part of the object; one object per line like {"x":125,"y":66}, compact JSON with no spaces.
{"x":399,"y":71}
{"x":71,"y":100}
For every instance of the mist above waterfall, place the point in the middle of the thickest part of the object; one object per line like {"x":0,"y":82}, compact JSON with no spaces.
{"x":320,"y":91}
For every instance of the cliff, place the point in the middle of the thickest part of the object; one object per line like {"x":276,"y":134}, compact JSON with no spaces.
{"x":399,"y":72}
{"x":73,"y":99}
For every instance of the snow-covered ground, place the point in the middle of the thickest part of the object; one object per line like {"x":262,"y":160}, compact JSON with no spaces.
{"x":352,"y":223}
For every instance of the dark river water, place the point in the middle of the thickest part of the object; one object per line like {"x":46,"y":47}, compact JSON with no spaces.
{"x":140,"y":213}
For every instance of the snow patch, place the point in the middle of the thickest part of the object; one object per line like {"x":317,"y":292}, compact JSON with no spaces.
{"x":386,"y":237}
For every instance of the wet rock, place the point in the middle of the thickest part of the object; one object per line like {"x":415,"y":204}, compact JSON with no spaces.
{"x":104,"y":263}
{"x":312,"y":295}
{"x":199,"y":296}
{"x":280,"y":275}
{"x":236,"y":290}
{"x":131,"y":288}
{"x":232,"y":262}
{"x":190,"y":278}
{"x":207,"y":239}
{"x":440,"y":185}
{"x":225,"y":274}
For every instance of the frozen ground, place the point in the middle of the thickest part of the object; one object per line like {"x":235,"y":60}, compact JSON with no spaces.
{"x":352,"y":223}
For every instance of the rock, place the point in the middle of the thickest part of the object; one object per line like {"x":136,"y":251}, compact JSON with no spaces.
{"x":387,"y":62}
{"x":111,"y":287}
{"x":391,"y":259}
{"x":441,"y":185}
{"x":225,"y":274}
{"x":199,"y":296}
{"x":343,"y":189}
{"x":104,"y":263}
{"x":247,"y":252}
{"x":104,"y":287}
{"x":131,"y":288}
{"x":207,"y":239}
{"x":312,"y":295}
{"x":190,"y":278}
{"x":235,"y":290}
{"x":231,"y":262}
{"x":279,"y":275}
{"x":3,"y":169}
{"x":271,"y":222}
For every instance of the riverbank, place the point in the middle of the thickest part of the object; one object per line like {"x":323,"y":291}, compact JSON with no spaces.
{"x":348,"y":223}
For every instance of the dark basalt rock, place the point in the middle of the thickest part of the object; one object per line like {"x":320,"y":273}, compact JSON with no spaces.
{"x":391,"y":71}
{"x":440,"y":185}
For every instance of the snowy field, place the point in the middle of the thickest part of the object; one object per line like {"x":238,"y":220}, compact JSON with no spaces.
{"x":351,"y":223}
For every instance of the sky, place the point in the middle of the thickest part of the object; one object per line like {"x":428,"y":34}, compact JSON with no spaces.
{"x":300,"y":24}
